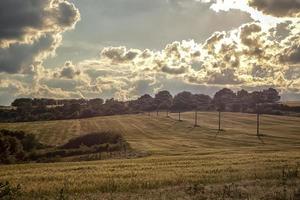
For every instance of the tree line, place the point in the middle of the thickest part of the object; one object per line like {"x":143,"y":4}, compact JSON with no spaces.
{"x":28,"y":109}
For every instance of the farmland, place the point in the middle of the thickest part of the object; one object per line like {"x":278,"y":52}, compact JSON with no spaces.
{"x":292,"y":103}
{"x":181,"y":157}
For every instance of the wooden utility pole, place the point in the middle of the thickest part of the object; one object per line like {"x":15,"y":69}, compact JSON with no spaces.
{"x":179,"y":116}
{"x":258,"y":111}
{"x":219,"y":121}
{"x":257,"y":124}
{"x":196,"y":118}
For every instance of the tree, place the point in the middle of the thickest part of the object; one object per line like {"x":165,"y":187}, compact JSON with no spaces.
{"x":183,"y":101}
{"x":95,"y":105}
{"x":112,"y":107}
{"x":224,"y":97}
{"x":163,"y":101}
{"x":28,"y":141}
{"x":243,"y":97}
{"x":22,"y":102}
{"x":96,"y":102}
{"x":145,"y":103}
{"x":11,"y":149}
{"x":27,"y":109}
{"x":72,"y":110}
{"x":201,"y":101}
{"x":256,"y":98}
{"x":242,"y":94}
{"x":270,"y":95}
{"x":24,"y":108}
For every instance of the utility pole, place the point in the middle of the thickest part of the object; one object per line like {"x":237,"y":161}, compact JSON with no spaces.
{"x":258,"y":106}
{"x":196,"y":118}
{"x":257,"y":124}
{"x":219,"y":121}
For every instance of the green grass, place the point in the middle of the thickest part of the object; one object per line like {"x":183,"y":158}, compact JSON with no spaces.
{"x":181,"y":155}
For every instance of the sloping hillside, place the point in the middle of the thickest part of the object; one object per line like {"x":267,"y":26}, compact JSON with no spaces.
{"x":187,"y":162}
{"x":165,"y":135}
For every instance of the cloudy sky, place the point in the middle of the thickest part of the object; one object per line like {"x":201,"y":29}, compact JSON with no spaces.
{"x":125,"y":48}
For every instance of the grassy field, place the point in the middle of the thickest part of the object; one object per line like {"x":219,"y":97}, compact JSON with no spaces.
{"x":185,"y":162}
{"x":292,"y":103}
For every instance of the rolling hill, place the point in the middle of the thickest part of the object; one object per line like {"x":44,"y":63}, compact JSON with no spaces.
{"x":181,"y":156}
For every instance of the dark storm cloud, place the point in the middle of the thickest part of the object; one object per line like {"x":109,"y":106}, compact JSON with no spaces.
{"x":19,"y":56}
{"x":30,"y":30}
{"x":23,"y":18}
{"x":17,"y":15}
{"x":278,"y":8}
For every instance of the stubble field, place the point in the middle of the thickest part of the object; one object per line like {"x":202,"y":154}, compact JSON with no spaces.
{"x":184,"y":162}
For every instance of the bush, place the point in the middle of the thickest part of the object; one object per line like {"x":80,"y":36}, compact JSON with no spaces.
{"x":11,"y":150}
{"x":82,"y":145}
{"x":7,"y":191}
{"x":14,"y":145}
{"x":93,"y":139}
{"x":28,"y":141}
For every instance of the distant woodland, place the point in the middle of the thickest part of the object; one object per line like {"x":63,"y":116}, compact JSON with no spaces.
{"x":265,"y":102}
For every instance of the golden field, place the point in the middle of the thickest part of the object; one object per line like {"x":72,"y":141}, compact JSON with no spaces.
{"x":184,"y":162}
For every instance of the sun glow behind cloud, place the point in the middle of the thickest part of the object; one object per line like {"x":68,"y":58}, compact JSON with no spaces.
{"x":266,"y":21}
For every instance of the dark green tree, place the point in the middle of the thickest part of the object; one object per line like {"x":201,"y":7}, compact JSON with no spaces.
{"x":145,"y":103}
{"x":270,"y":95}
{"x":224,"y":97}
{"x":163,"y":101}
{"x":11,"y":150}
{"x":183,"y":101}
{"x":96,"y":103}
{"x":243,"y":98}
{"x":201,"y":101}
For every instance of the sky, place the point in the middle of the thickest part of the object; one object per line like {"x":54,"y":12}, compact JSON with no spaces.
{"x":125,"y":48}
